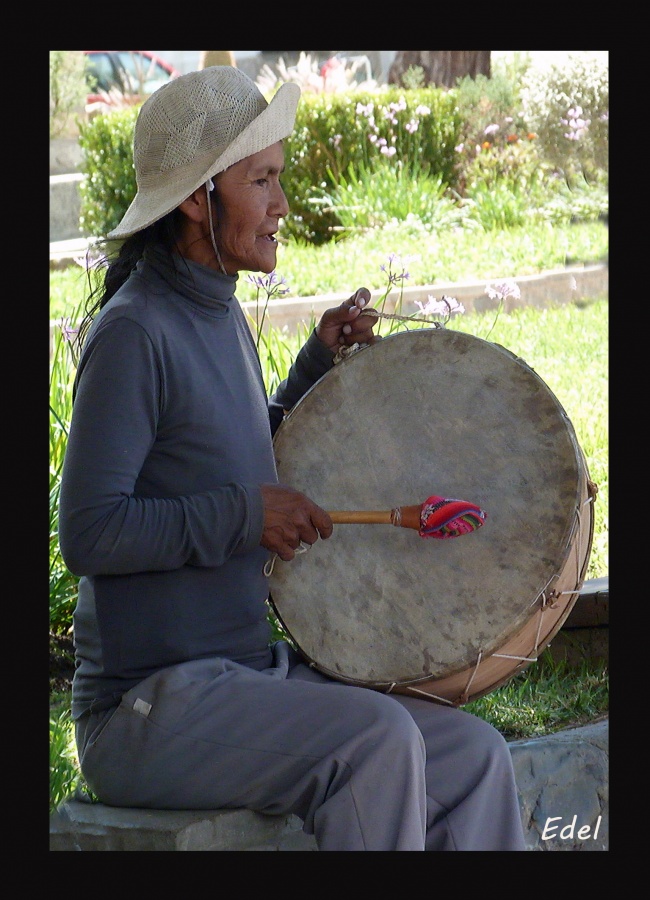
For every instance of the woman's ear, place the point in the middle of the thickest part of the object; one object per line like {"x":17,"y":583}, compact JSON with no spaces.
{"x":195,"y":205}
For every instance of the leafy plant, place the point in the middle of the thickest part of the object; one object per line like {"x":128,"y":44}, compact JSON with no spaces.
{"x":313,"y":77}
{"x":68,"y":89}
{"x":63,"y":585}
{"x":567,"y":106}
{"x":368,"y":198}
{"x":64,"y":765}
{"x":109,"y":185}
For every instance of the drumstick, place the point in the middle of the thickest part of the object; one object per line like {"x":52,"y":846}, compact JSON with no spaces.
{"x":437,"y":517}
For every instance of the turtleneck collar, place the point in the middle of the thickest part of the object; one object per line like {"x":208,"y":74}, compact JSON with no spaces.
{"x":199,"y":283}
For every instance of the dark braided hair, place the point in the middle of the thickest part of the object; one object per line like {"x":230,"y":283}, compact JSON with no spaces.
{"x":118,"y":266}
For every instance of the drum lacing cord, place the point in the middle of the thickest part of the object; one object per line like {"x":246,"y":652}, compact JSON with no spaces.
{"x":426,"y":694}
{"x":270,"y":563}
{"x":547,"y":599}
{"x":345,"y":351}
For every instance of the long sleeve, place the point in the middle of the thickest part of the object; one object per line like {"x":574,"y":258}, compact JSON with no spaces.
{"x":311,"y":363}
{"x":111,"y":520}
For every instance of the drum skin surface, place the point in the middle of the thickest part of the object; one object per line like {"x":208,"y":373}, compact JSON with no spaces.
{"x":425,"y":412}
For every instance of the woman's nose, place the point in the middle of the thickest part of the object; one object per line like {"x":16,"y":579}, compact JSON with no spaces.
{"x":279,"y":204}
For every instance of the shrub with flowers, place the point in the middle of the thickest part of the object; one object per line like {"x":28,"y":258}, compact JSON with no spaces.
{"x":489,"y":151}
{"x":504,"y":155}
{"x":494,"y":138}
{"x":336,"y":136}
{"x":567,"y":106}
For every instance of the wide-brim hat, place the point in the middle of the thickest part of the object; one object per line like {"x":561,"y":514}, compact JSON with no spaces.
{"x":194,"y":127}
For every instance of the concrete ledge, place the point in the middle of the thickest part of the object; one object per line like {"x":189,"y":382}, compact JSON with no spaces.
{"x":573,"y":284}
{"x":562,"y":779}
{"x":576,"y":284}
{"x":66,"y":155}
{"x":585,"y":633}
{"x":65,"y":206}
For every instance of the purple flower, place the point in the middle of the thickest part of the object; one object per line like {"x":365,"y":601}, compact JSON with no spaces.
{"x":445,"y":306}
{"x":398,"y":261}
{"x":491,"y":129}
{"x":367,"y":111}
{"x":577,"y":125}
{"x":271,"y":284}
{"x":502,"y":289}
{"x":67,"y":332}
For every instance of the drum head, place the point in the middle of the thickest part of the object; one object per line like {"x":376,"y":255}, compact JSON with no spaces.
{"x":421,"y":413}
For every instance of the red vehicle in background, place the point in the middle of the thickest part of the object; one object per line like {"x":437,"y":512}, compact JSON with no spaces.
{"x":129,"y":75}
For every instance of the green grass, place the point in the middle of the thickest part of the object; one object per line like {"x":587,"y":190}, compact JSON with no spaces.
{"x":456,"y":255}
{"x":547,"y":696}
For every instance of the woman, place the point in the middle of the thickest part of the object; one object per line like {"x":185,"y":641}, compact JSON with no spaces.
{"x":170,"y":509}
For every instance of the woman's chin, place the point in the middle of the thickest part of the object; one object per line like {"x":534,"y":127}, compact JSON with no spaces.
{"x":267,"y":265}
{"x":267,"y":253}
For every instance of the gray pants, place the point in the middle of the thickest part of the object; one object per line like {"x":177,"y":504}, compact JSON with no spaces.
{"x":362,"y":769}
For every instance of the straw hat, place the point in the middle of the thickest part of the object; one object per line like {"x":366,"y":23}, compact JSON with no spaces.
{"x":194,"y":127}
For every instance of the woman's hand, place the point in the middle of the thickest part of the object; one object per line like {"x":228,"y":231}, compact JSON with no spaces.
{"x":344,"y":324}
{"x":290,"y":518}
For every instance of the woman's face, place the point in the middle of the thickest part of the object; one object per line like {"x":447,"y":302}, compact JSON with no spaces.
{"x":249,"y":203}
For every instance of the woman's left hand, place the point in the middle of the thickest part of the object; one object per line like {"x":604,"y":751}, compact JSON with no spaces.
{"x":344,"y":324}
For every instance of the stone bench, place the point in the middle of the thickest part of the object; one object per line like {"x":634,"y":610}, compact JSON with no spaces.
{"x":78,"y":825}
{"x":562,"y":779}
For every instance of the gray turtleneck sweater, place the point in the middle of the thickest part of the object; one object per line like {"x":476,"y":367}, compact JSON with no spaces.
{"x":160,"y":509}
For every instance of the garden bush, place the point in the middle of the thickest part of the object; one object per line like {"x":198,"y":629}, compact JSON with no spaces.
{"x":109,"y":186}
{"x":332,"y":134}
{"x":340,"y":136}
{"x":498,"y":137}
{"x":567,"y":107}
{"x":68,"y":90}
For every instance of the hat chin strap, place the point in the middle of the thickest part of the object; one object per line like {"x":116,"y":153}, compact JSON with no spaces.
{"x":209,"y":186}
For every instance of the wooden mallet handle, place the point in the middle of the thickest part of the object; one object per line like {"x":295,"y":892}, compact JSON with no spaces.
{"x":404,"y":516}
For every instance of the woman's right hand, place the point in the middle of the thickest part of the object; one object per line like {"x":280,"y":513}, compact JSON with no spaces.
{"x":290,"y":518}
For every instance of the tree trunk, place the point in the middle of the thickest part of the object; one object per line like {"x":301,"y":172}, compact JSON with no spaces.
{"x":217,"y":58}
{"x":440,"y":67}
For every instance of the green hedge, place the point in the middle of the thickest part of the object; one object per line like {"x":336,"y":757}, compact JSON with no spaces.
{"x":332,"y":133}
{"x":109,"y":187}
